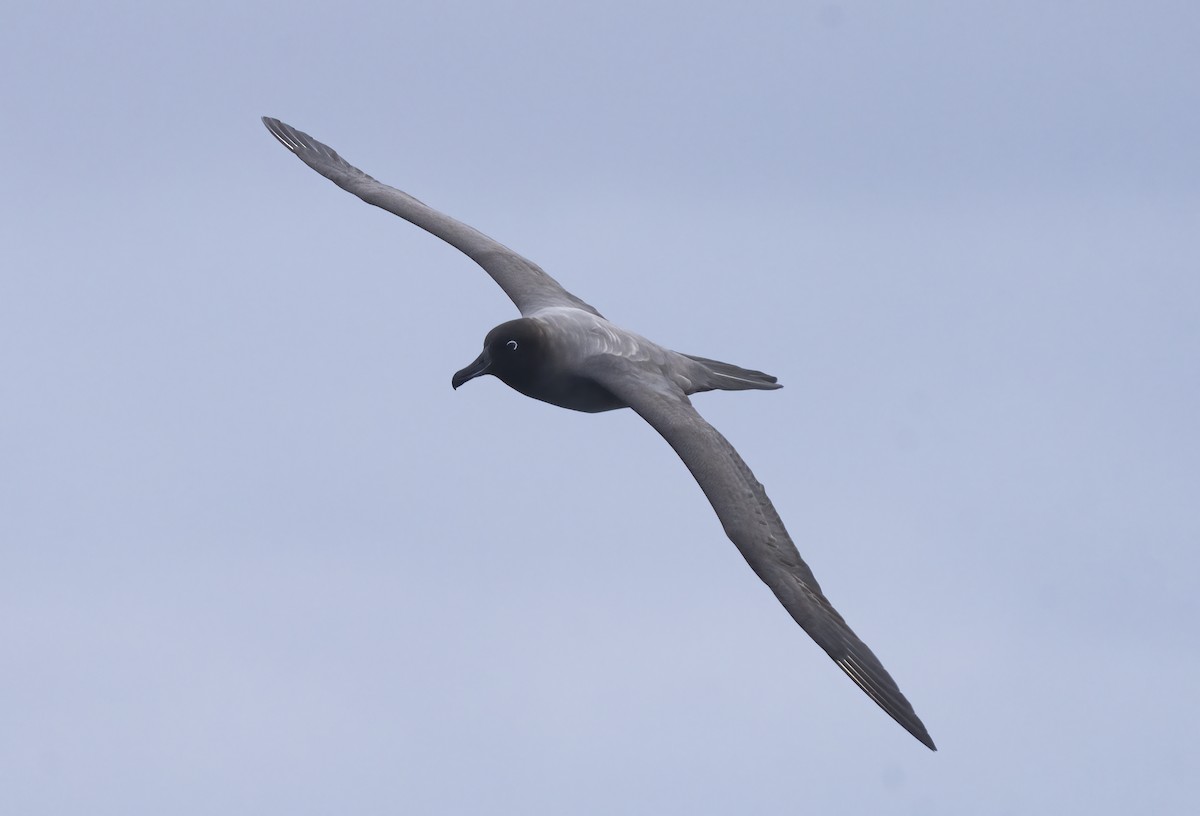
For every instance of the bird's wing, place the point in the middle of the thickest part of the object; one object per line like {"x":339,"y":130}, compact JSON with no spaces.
{"x":751,"y":522}
{"x":521,"y":279}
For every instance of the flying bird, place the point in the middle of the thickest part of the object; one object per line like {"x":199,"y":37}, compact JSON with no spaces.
{"x":564,"y":352}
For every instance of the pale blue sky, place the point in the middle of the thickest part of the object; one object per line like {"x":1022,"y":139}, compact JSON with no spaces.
{"x":256,"y":556}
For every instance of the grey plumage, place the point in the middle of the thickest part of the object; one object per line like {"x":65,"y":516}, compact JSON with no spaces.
{"x":563,"y":351}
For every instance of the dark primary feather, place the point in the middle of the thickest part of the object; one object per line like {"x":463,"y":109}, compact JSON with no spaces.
{"x":753,"y":525}
{"x":529,"y":287}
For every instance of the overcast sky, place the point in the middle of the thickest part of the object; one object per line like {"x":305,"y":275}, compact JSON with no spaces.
{"x":256,"y":556}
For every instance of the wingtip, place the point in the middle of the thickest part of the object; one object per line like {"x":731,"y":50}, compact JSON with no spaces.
{"x":917,"y":729}
{"x":882,"y":689}
{"x":923,"y":738}
{"x":285,"y":134}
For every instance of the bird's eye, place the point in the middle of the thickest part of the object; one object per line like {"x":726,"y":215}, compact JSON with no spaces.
{"x":512,"y":344}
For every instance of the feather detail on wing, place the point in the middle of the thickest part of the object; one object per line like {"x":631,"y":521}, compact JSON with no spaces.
{"x":751,"y":522}
{"x":522,"y":280}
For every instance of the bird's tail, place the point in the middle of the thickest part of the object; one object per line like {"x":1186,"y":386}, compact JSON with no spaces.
{"x":728,"y":377}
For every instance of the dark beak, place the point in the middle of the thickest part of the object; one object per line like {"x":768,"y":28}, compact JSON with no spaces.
{"x":476,"y":369}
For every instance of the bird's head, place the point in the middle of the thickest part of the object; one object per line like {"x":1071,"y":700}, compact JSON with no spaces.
{"x":514,"y":352}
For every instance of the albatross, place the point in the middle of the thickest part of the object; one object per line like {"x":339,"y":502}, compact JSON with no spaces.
{"x":563,"y":351}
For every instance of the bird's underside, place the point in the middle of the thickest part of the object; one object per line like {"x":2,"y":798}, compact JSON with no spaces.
{"x":563,"y":351}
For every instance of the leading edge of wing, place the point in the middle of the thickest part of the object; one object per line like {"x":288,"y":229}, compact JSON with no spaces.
{"x":526,"y":284}
{"x":754,"y":526}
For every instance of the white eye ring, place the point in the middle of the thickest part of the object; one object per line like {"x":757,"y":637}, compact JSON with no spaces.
{"x":512,"y":344}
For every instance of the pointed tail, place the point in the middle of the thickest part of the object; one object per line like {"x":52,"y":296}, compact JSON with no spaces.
{"x":728,"y":377}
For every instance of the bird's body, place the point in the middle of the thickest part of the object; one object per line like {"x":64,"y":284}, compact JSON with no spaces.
{"x":564,"y":352}
{"x":556,"y":349}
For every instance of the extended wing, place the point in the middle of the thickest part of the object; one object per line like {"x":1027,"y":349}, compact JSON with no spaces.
{"x":521,"y":279}
{"x":751,"y":522}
